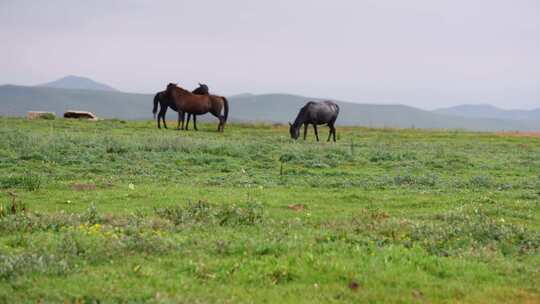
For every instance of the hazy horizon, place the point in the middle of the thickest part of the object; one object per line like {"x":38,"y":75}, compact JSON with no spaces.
{"x":427,"y":54}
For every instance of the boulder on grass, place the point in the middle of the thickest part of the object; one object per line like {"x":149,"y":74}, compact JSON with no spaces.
{"x":40,"y":115}
{"x":80,"y":115}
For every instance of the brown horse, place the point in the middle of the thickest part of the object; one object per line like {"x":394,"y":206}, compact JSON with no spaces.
{"x":201,"y":90}
{"x":164,"y":103}
{"x":188,"y":102}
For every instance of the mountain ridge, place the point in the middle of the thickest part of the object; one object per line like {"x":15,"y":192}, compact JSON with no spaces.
{"x":489,"y":111}
{"x":77,"y":82}
{"x":274,"y":107}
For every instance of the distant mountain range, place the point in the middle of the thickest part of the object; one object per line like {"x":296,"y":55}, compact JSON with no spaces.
{"x":78,"y":93}
{"x":489,"y":111}
{"x":77,"y":82}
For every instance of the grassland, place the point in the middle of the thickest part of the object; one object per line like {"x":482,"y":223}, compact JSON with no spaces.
{"x":119,"y":211}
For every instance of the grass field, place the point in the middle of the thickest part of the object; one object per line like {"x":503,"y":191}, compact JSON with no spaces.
{"x":119,"y":211}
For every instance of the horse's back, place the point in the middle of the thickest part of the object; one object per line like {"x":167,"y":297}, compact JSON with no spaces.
{"x":332,"y":105}
{"x":322,"y":112}
{"x":198,"y":104}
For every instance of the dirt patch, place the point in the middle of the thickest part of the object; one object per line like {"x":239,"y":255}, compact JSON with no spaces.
{"x":417,"y":293}
{"x":519,"y":134}
{"x":353,"y":285}
{"x":297,"y":207}
{"x":83,"y":187}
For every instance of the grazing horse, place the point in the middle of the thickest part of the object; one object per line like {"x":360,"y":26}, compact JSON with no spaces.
{"x":315,"y":113}
{"x":165,"y":103}
{"x":188,"y":102}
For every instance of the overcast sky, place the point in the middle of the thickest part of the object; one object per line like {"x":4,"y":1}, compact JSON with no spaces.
{"x":425,"y":53}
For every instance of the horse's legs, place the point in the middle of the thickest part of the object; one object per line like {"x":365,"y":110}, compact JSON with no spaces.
{"x":221,"y":118}
{"x":332,"y":131}
{"x":305,"y":130}
{"x":180,"y":119}
{"x":164,"y":123}
{"x":316,"y":133}
{"x":183,"y":118}
{"x":222,"y":123}
{"x":195,"y":122}
{"x":187,"y":123}
{"x":161,"y":114}
{"x":158,"y":122}
{"x":331,"y":126}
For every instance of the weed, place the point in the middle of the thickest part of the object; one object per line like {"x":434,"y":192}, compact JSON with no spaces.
{"x":92,"y":216}
{"x":204,"y":213}
{"x":47,"y":116}
{"x":28,"y":181}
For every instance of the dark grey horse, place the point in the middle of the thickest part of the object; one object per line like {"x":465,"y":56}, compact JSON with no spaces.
{"x":164,"y":103}
{"x":315,"y":113}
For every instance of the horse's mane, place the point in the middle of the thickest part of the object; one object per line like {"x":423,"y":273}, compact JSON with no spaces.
{"x":201,"y":90}
{"x":302,"y":112}
{"x":176,"y":87}
{"x":305,"y":107}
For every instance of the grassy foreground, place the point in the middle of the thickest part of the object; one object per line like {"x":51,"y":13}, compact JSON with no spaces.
{"x":119,"y":211}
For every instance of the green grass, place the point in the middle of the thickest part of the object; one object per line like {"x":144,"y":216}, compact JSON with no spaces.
{"x":116,"y":211}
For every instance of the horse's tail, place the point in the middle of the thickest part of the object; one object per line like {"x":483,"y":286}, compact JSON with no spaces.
{"x":226,"y":108}
{"x":156,"y":100}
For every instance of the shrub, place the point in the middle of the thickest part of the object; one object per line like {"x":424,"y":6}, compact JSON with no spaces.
{"x":481,"y":181}
{"x":92,"y":216}
{"x":224,"y":215}
{"x":28,"y":181}
{"x":382,"y":156}
{"x":47,"y":116}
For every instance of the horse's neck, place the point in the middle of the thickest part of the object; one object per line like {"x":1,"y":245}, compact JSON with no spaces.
{"x":300,"y":119}
{"x":183,"y":93}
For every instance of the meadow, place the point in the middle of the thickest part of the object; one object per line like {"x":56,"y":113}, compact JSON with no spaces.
{"x":121,"y":212}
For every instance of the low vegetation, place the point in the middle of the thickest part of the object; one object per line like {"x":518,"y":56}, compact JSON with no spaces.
{"x":116,"y":211}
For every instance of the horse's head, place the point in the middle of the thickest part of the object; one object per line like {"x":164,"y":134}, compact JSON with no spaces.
{"x":294,"y":131}
{"x":203,"y":88}
{"x":171,"y":86}
{"x":174,"y":90}
{"x":169,"y":90}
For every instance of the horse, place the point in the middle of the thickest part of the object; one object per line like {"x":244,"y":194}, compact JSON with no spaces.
{"x":166,"y":103}
{"x":315,"y":113}
{"x":201,"y":90}
{"x":188,"y":102}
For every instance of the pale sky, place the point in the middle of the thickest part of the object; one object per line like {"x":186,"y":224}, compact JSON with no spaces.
{"x":424,"y":53}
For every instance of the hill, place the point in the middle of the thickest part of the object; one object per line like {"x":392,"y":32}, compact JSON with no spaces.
{"x":77,"y":82}
{"x":489,"y":111}
{"x":283,"y":107}
{"x":17,"y":100}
